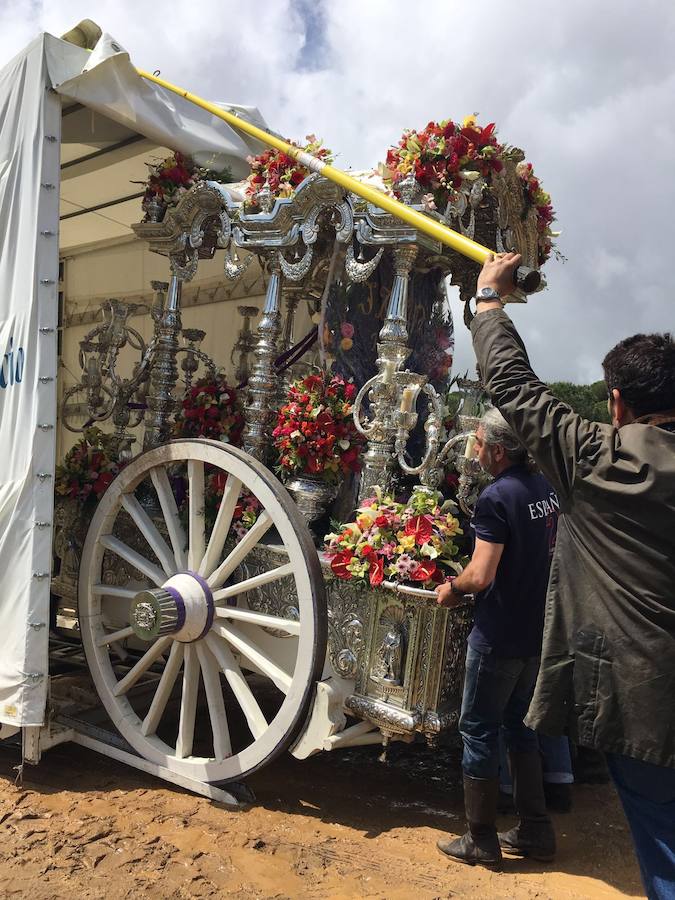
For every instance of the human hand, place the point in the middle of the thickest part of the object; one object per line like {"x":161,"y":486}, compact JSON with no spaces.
{"x":497,"y":272}
{"x":445,"y":596}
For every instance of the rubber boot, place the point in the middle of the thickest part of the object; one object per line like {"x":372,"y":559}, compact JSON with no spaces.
{"x":480,"y":845}
{"x":533,"y":836}
{"x":558,"y":796}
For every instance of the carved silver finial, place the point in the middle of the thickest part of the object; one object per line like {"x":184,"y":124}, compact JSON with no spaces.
{"x":265,"y":198}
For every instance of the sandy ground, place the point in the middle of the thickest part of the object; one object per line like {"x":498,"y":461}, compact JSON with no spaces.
{"x":339,"y":825}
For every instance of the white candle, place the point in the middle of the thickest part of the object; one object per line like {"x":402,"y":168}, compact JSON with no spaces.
{"x":388,"y":371}
{"x":407,"y":399}
{"x":470,"y":443}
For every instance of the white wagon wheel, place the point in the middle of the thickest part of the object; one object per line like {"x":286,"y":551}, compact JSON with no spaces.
{"x":192,"y":615}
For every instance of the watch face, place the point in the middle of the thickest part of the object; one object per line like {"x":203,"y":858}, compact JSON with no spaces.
{"x":488,"y":293}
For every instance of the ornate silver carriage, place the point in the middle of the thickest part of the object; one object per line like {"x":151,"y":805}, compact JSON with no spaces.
{"x":211,"y":655}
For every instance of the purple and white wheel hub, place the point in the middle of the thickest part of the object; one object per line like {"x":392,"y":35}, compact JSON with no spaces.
{"x":182,"y":607}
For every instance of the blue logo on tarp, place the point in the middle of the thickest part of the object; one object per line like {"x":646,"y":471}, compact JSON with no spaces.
{"x":11,"y":370}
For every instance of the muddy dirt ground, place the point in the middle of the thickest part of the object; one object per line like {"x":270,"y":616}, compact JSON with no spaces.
{"x":340,"y":825}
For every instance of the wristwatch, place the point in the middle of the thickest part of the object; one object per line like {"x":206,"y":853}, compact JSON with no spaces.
{"x":487,"y":293}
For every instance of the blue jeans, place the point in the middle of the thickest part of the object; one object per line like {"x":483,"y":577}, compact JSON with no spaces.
{"x":647,"y":793}
{"x":556,"y":761}
{"x":497,"y":691}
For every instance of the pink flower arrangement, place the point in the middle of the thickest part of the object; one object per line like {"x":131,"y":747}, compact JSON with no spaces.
{"x":170,"y":178}
{"x":399,"y":542}
{"x":441,"y":154}
{"x":281,"y":172}
{"x":315,"y":432}
{"x":211,"y":409}
{"x":89,"y":467}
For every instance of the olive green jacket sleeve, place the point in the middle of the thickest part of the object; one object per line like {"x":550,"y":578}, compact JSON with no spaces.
{"x":563,"y":444}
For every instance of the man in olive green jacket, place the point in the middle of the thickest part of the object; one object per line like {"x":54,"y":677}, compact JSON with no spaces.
{"x":607,"y":674}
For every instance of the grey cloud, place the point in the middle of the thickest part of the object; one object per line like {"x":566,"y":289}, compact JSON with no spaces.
{"x":587,"y":89}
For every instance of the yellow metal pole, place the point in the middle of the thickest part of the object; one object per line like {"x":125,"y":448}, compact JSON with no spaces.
{"x":418,"y":220}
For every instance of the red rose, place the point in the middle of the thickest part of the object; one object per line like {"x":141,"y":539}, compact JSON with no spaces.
{"x":381,"y":521}
{"x":102,"y":483}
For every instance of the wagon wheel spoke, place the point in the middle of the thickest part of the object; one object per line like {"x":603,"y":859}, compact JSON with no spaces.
{"x":214,"y":696}
{"x":257,"y":722}
{"x":188,"y":703}
{"x":164,"y":689}
{"x":196,"y":545}
{"x":112,"y":590}
{"x":256,"y":581}
{"x":290,"y":626}
{"x":149,"y":531}
{"x":241,"y":550}
{"x":114,"y":636}
{"x":137,"y":560}
{"x":255,"y":654}
{"x":167,"y":502}
{"x":142,"y":666}
{"x":221,"y":527}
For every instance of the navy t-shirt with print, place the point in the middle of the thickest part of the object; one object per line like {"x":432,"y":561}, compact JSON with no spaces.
{"x":520,"y":510}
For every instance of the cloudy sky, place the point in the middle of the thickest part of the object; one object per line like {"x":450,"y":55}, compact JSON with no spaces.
{"x":586,"y":89}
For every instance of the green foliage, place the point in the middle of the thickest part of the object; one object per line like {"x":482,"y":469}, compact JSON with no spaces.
{"x":589,"y":400}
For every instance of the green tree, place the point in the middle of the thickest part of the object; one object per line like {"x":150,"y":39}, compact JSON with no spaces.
{"x":589,"y":400}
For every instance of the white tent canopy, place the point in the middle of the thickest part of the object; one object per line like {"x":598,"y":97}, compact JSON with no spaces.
{"x":76,"y":129}
{"x":113,"y":119}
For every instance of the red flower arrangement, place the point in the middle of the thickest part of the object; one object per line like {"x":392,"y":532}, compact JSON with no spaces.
{"x":400,"y":542}
{"x":210,"y":409}
{"x":441,"y":155}
{"x":281,"y":172}
{"x":315,"y":433}
{"x":89,"y":467}
{"x":170,"y":178}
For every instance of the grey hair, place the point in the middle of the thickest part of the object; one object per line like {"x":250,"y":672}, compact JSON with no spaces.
{"x":498,"y":431}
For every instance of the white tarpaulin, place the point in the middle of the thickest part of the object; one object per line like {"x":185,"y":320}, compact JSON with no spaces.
{"x":29,"y":170}
{"x":108,"y":82}
{"x":31,"y":165}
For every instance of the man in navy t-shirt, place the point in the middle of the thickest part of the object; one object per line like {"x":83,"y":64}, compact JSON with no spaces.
{"x":514,"y":527}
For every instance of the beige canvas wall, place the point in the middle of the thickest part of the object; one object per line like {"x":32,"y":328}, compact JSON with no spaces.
{"x":124,"y":270}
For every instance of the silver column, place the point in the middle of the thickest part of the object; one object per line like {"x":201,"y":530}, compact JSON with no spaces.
{"x":261,"y":404}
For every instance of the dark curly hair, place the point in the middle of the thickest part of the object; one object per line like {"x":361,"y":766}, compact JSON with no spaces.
{"x":642,"y":368}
